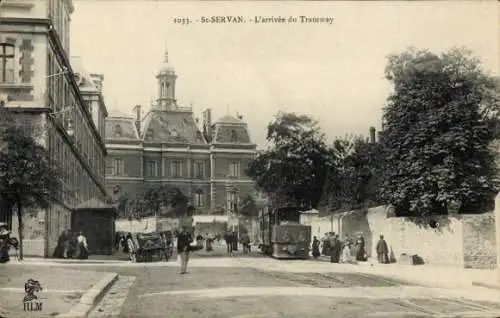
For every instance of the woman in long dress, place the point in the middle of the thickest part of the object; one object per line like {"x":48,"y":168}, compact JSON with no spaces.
{"x":360,"y":249}
{"x":82,"y":246}
{"x":315,"y":248}
{"x":208,"y":242}
{"x":346,"y":253}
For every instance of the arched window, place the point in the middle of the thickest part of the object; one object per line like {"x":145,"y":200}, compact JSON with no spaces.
{"x":234,"y":136}
{"x":118,"y":131}
{"x":199,"y":199}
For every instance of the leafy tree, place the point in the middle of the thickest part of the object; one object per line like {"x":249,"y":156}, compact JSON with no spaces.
{"x":248,"y":207}
{"x":438,"y":125}
{"x":354,"y":181}
{"x":28,"y":177}
{"x":163,"y":200}
{"x":295,"y":166}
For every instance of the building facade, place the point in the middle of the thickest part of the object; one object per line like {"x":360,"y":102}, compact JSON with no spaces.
{"x":38,"y":82}
{"x":168,"y":145}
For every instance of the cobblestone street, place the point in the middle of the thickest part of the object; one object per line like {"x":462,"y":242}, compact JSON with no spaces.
{"x":253,"y":287}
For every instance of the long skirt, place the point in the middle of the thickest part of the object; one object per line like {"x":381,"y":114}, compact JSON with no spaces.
{"x":83,"y":252}
{"x":4,"y":254}
{"x":209,"y":245}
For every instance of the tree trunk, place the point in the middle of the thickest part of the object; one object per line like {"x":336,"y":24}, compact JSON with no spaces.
{"x":20,"y":229}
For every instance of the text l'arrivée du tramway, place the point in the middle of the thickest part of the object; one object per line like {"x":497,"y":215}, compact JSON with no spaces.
{"x":301,"y":19}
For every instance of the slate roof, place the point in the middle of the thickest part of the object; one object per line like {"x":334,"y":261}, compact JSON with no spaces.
{"x":229,"y":120}
{"x":171,"y":126}
{"x":121,"y":128}
{"x":229,"y":129}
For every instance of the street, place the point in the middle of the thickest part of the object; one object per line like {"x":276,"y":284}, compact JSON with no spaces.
{"x":255,"y":287}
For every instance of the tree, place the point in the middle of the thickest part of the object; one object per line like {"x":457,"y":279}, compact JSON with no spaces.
{"x":354,"y":181}
{"x":438,"y":126}
{"x":163,"y":200}
{"x":28,"y":177}
{"x":295,"y":166}
{"x":248,"y":207}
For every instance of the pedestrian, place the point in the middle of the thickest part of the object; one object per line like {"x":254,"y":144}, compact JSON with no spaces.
{"x":382,"y":251}
{"x":131,"y":248}
{"x":4,"y":243}
{"x":347,"y":252}
{"x":69,"y":244}
{"x":234,"y":241}
{"x":184,"y":240}
{"x":360,"y":249}
{"x":59,"y":251}
{"x":208,"y":242}
{"x":229,"y":244}
{"x":315,"y":248}
{"x":245,"y":241}
{"x":336,"y":249}
{"x":82,"y":246}
{"x":325,"y":242}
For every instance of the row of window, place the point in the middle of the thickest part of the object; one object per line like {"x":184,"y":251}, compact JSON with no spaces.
{"x":62,"y":100}
{"x":153,"y":169}
{"x":232,"y":200}
{"x":78,"y":185}
{"x":58,"y":13}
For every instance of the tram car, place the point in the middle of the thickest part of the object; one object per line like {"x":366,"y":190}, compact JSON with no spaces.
{"x":281,"y":234}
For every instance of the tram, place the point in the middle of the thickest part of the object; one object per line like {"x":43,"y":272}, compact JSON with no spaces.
{"x":281,"y":234}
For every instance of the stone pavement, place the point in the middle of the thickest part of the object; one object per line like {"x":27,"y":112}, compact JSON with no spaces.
{"x":244,"y":287}
{"x":61,"y":288}
{"x":427,"y":275}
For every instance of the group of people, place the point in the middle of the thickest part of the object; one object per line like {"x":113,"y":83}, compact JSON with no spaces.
{"x":7,"y":243}
{"x":347,"y":250}
{"x":72,"y":245}
{"x":231,"y":238}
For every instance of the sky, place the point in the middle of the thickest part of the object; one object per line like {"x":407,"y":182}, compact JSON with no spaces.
{"x":333,"y":72}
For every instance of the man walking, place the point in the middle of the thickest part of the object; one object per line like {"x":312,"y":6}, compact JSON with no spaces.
{"x":184,"y":240}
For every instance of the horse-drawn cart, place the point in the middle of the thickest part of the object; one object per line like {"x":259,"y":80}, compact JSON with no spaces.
{"x":150,"y":247}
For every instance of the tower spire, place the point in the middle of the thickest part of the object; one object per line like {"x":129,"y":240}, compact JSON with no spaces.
{"x":166,"y":55}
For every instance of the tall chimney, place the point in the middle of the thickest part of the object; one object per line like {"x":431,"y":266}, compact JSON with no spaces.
{"x":372,"y":135}
{"x":137,"y":109}
{"x":207,"y":124}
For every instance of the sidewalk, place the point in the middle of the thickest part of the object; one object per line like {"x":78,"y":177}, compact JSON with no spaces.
{"x":62,"y":289}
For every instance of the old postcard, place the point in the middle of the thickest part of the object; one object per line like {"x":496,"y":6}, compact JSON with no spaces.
{"x":249,"y":158}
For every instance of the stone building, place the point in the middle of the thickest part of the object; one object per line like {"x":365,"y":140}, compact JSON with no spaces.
{"x":206,"y":161}
{"x":38,"y":82}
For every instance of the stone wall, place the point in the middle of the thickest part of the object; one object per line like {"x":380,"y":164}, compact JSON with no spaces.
{"x":36,"y":233}
{"x":479,"y":241}
{"x":460,"y":240}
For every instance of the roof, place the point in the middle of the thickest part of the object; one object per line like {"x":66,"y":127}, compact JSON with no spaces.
{"x":83,"y":78}
{"x":121,"y":128}
{"x":94,"y":204}
{"x":171,"y":126}
{"x":229,"y":120}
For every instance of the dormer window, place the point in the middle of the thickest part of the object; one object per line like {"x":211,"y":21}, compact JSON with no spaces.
{"x":149,"y":134}
{"x":234,"y":136}
{"x":118,"y":131}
